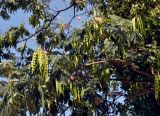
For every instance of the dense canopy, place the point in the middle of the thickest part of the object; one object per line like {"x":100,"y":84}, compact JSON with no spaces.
{"x":110,"y":66}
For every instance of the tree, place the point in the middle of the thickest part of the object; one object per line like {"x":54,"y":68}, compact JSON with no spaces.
{"x":115,"y":54}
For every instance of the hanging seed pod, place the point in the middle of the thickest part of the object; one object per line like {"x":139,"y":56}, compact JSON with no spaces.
{"x":33,"y":63}
{"x":74,"y":93}
{"x":45,"y":65}
{"x":78,"y":95}
{"x":82,"y":92}
{"x":156,"y":85}
{"x":40,"y":58}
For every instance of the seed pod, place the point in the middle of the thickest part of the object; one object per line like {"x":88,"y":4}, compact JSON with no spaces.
{"x":40,"y":58}
{"x":98,"y":20}
{"x":156,"y":85}
{"x":72,"y":78}
{"x":33,"y":64}
{"x":82,"y":92}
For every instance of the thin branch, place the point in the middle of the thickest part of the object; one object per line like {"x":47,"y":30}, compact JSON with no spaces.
{"x":76,"y":16}
{"x":58,"y":12}
{"x":31,"y":36}
{"x":98,"y":62}
{"x":64,"y":111}
{"x":51,"y":20}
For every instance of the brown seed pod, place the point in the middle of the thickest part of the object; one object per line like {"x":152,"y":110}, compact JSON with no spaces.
{"x":72,"y":77}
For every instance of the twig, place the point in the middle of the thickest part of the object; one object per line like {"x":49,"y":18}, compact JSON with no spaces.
{"x":98,"y":62}
{"x":76,"y":16}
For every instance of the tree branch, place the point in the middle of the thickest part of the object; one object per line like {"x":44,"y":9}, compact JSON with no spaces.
{"x":130,"y":81}
{"x":124,"y":64}
{"x":140,"y":93}
{"x":131,"y":66}
{"x":76,"y":16}
{"x":51,"y":20}
{"x":98,"y":62}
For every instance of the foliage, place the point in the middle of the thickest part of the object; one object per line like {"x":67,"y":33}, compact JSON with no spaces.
{"x":115,"y":54}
